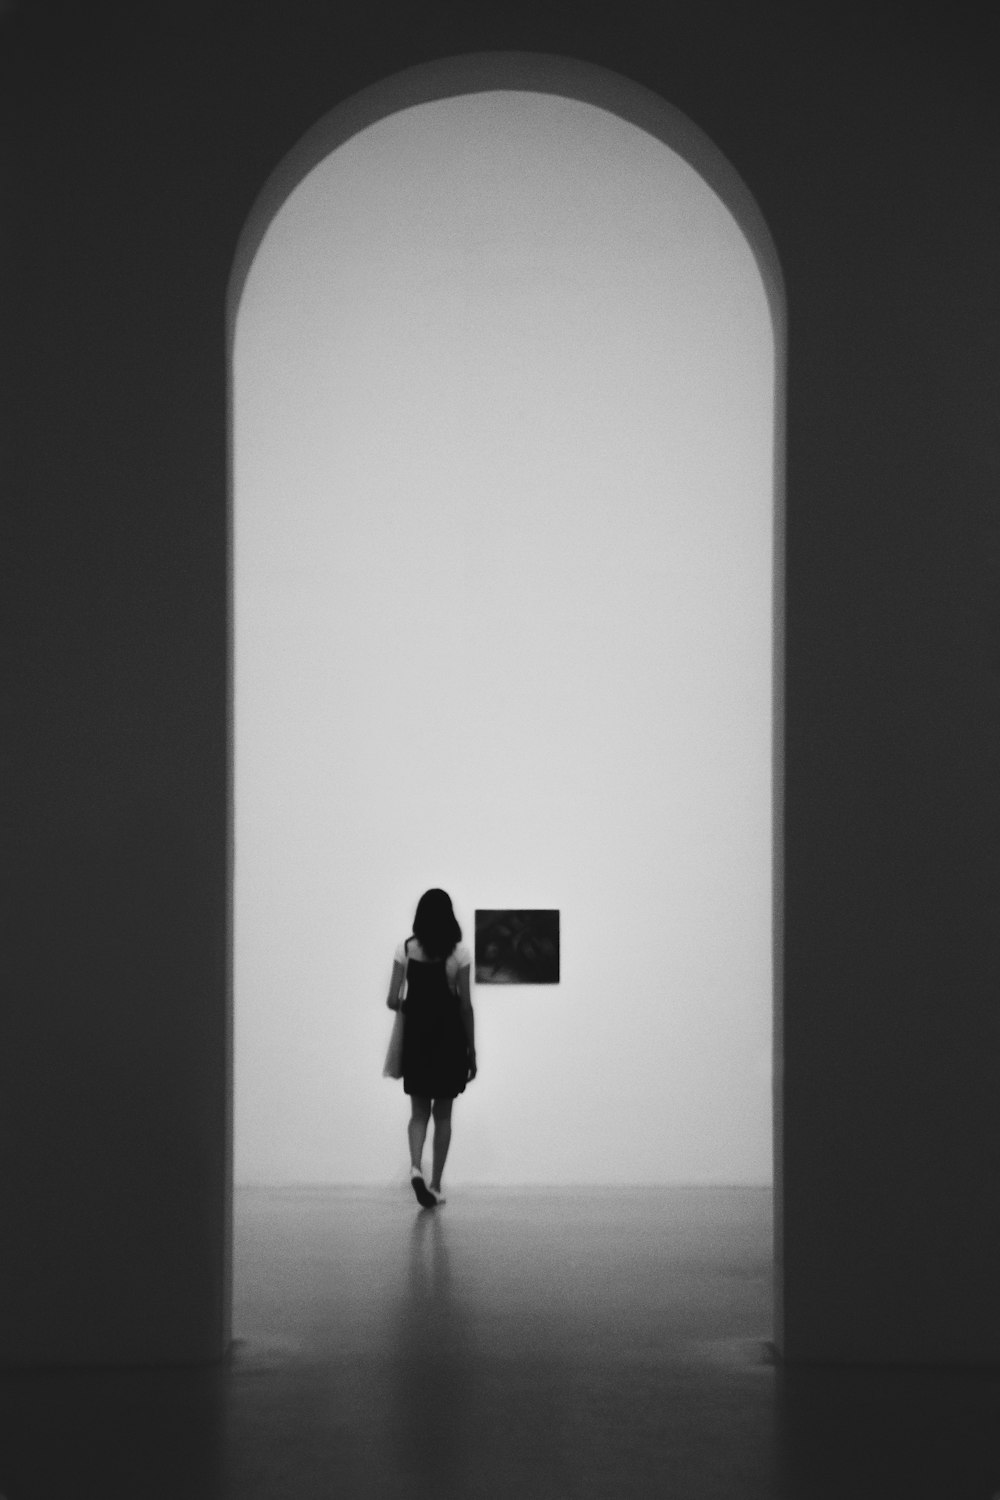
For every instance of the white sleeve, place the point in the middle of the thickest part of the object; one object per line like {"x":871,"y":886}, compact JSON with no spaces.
{"x":399,"y":956}
{"x":463,"y":957}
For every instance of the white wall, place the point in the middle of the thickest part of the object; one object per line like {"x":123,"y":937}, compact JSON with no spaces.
{"x":503,"y":464}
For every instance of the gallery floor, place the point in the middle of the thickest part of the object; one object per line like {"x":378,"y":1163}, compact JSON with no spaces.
{"x":515,"y":1343}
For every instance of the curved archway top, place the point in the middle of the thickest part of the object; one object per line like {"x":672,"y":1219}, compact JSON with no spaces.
{"x":530,"y":72}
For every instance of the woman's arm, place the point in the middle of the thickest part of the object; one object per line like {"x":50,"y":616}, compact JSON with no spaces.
{"x":468,"y":1019}
{"x":395,"y":984}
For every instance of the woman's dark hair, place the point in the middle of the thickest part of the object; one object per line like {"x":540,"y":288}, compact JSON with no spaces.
{"x":435,"y":926}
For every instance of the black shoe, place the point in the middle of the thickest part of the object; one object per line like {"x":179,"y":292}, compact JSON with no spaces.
{"x":425,"y":1197}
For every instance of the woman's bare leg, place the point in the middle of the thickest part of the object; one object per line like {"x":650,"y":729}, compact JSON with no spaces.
{"x":442,"y":1139}
{"x":420,"y":1113}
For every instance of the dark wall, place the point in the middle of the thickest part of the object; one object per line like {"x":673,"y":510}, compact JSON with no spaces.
{"x":136,"y":142}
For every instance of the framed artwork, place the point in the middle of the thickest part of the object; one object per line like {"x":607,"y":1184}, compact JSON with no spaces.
{"x":517,"y":947}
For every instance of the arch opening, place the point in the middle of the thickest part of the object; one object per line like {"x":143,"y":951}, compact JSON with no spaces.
{"x":566,"y":467}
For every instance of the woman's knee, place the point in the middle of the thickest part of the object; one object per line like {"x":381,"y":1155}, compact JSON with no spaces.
{"x":420,"y":1108}
{"x":442,"y":1111}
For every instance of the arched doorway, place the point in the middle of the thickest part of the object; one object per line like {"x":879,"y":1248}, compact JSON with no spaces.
{"x":504,"y":631}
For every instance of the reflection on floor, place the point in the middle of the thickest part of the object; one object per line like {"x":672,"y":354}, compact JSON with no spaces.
{"x":530,"y":1343}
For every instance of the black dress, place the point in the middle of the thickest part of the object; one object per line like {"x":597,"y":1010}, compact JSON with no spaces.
{"x":435,"y":1051}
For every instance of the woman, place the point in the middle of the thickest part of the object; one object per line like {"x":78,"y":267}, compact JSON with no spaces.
{"x":439,"y":1041}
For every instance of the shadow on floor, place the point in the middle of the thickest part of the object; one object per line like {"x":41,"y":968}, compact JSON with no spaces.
{"x":529,"y":1343}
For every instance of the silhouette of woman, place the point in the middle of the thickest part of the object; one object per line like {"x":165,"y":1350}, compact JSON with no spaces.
{"x":439,"y":1039}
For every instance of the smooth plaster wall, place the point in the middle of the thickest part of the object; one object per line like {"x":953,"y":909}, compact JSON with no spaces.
{"x":503,"y":476}
{"x":142,"y":140}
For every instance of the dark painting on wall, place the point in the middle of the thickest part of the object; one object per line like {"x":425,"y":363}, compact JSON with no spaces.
{"x":517,"y":947}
